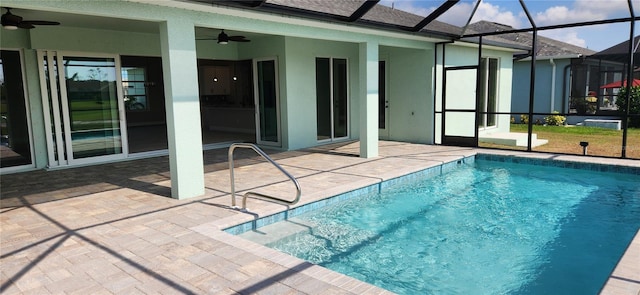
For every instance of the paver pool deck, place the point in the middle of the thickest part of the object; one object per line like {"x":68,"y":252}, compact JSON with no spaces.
{"x":113,"y":228}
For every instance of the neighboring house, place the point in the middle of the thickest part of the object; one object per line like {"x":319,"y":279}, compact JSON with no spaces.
{"x":600,"y":76}
{"x":118,"y":80}
{"x":553,"y":64}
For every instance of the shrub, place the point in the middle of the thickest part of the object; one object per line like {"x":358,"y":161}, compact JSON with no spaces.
{"x":555,"y":120}
{"x":634,"y":103}
{"x":524,"y":119}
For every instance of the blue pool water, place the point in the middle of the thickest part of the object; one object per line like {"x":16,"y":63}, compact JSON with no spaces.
{"x":484,"y":228}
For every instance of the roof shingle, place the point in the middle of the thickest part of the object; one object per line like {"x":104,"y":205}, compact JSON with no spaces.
{"x":547,"y":47}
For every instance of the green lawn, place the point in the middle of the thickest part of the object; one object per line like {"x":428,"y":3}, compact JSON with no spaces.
{"x":602,"y":141}
{"x":91,"y":114}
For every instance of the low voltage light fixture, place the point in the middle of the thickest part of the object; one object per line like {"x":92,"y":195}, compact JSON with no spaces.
{"x":584,"y":145}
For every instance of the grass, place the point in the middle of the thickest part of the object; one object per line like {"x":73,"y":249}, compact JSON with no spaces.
{"x":92,"y":114}
{"x":602,"y":141}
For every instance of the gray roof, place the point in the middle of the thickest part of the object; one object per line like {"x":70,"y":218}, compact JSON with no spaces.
{"x":388,"y":15}
{"x":342,"y":7}
{"x":619,"y":52}
{"x":621,"y":48}
{"x":547,"y":47}
{"x":379,"y":13}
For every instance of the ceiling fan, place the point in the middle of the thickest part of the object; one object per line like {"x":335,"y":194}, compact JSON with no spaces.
{"x":223,"y":38}
{"x":11,"y":21}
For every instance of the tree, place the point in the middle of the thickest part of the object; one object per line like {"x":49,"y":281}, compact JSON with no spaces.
{"x":634,"y":103}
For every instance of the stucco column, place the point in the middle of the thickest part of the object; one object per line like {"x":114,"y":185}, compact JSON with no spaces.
{"x":180,"y":72}
{"x":368,"y":99}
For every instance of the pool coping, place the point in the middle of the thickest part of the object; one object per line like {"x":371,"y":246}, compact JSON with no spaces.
{"x":622,"y":277}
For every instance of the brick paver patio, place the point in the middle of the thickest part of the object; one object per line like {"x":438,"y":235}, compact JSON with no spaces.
{"x":113,"y":229}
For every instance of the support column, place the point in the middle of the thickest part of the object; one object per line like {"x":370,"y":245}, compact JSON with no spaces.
{"x":180,"y":70}
{"x":368,"y":99}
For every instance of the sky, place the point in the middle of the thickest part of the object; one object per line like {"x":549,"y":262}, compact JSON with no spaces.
{"x":544,"y":13}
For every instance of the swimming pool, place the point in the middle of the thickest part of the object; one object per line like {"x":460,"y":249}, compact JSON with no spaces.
{"x":483,"y":228}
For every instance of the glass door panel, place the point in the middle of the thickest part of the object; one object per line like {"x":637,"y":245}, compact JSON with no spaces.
{"x":82,"y":98}
{"x":383,"y":103}
{"x":323,"y":99}
{"x":92,"y":105}
{"x":332,"y":98}
{"x":267,"y":102}
{"x":15,"y":140}
{"x":488,"y":89}
{"x":340,"y":95}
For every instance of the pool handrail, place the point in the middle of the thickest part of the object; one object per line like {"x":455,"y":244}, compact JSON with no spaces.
{"x":256,"y":149}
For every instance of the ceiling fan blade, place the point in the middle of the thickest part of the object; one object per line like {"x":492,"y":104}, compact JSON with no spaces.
{"x":239,"y":39}
{"x":41,"y":22}
{"x":25,"y":25}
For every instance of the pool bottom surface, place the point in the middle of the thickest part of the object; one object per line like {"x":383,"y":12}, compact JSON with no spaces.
{"x":486,"y":228}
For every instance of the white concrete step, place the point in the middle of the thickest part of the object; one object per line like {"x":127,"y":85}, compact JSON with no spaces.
{"x":512,"y":139}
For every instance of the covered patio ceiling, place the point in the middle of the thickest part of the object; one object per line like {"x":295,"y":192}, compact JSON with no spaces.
{"x":87,"y":21}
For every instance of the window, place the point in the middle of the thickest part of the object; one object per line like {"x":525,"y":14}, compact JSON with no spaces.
{"x":134,"y":85}
{"x":332,"y":98}
{"x":488,"y":92}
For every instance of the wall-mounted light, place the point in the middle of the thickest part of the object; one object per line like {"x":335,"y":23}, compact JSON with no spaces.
{"x":235,"y":78}
{"x":215,"y":79}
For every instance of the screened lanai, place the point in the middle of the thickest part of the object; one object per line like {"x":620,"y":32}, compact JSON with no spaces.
{"x":562,"y":96}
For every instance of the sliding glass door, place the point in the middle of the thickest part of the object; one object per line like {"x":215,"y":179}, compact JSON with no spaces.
{"x":83,"y":95}
{"x":332,"y":100}
{"x":267,"y":101}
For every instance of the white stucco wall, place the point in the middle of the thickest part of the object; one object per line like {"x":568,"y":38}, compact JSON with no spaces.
{"x":301,"y":54}
{"x":410,"y":93}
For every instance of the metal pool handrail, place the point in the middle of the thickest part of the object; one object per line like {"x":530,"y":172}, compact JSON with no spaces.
{"x":259,"y":195}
